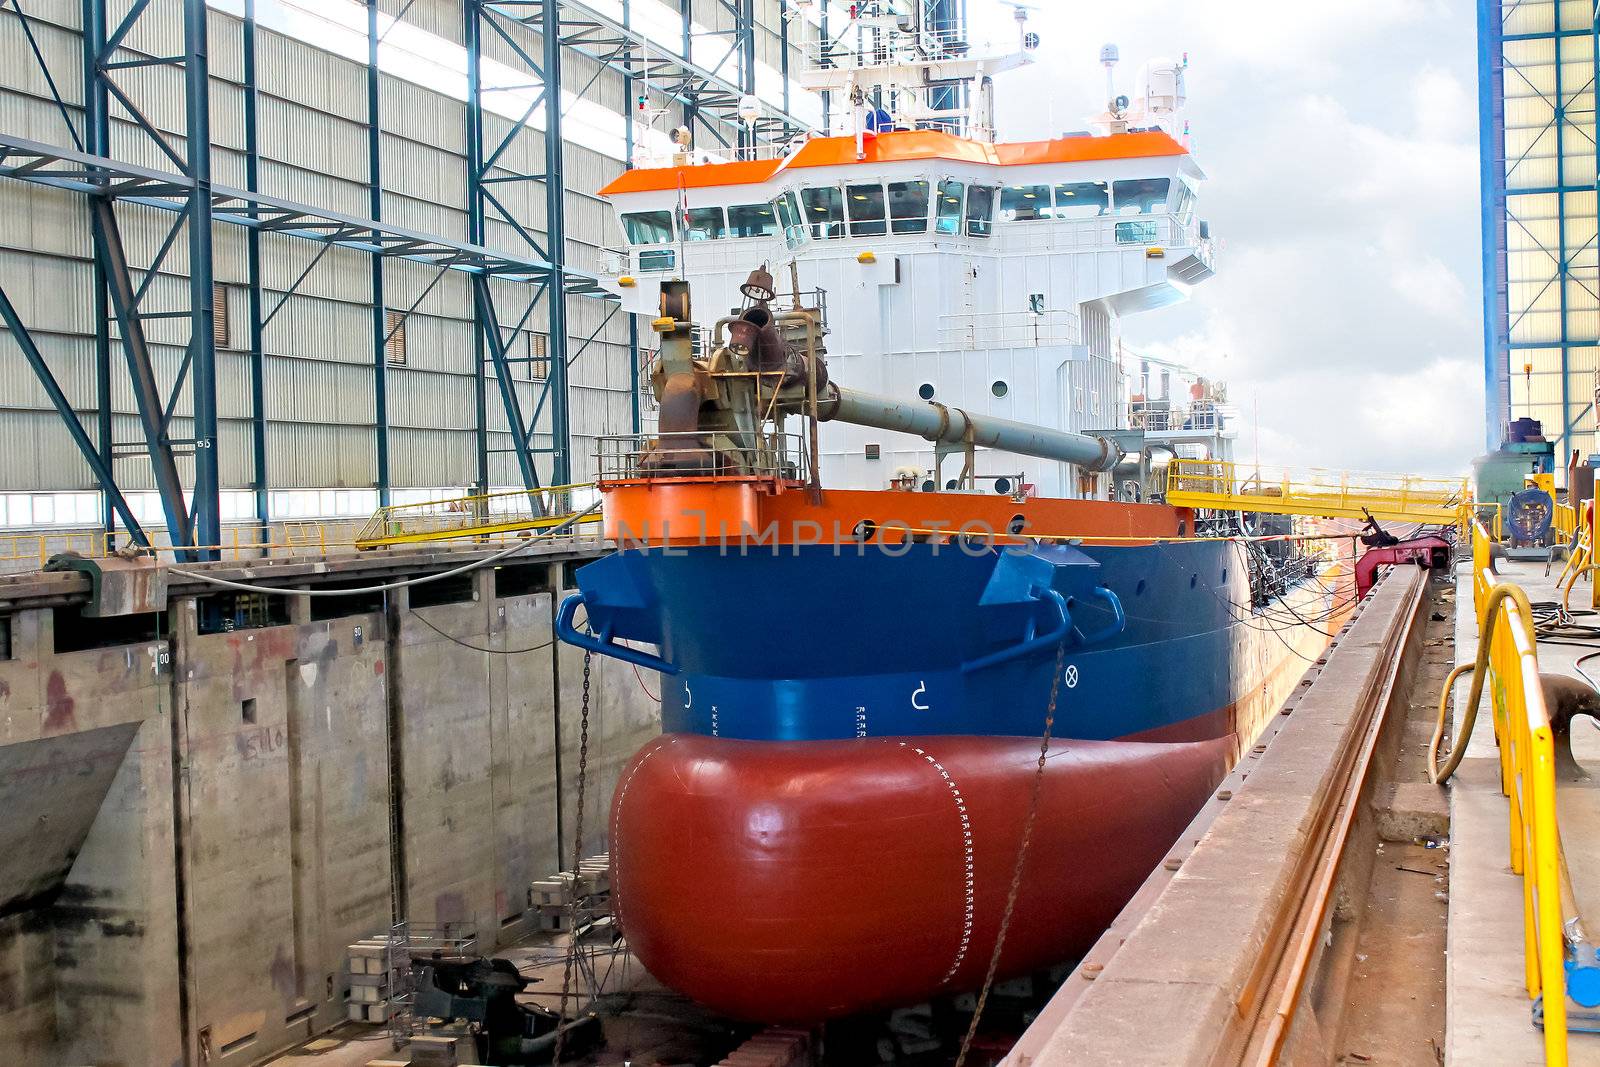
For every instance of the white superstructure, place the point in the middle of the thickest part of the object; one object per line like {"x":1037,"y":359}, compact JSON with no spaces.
{"x":981,"y":275}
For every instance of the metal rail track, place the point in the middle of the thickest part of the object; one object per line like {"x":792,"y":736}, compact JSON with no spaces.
{"x":1268,"y":1003}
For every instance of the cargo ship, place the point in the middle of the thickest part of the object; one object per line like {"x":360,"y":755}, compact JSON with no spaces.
{"x":899,"y":631}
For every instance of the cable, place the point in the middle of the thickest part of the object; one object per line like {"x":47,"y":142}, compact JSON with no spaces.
{"x":646,"y":688}
{"x":564,"y":525}
{"x":479,"y":648}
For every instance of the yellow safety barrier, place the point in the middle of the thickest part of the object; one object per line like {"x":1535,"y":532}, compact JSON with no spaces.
{"x":482,"y":517}
{"x":1203,"y":483}
{"x":1507,"y":664}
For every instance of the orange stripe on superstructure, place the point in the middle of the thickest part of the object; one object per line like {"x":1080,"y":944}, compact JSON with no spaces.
{"x":891,"y":148}
{"x":905,"y":146}
{"x":1088,"y":149}
{"x":698,"y":176}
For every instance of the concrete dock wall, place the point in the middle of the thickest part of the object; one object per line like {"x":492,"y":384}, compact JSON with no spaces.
{"x":196,"y":824}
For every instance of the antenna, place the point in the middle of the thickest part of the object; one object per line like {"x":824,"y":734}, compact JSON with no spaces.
{"x":1109,"y":55}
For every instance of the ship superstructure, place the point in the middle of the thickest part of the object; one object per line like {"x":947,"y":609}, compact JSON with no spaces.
{"x":988,"y":276}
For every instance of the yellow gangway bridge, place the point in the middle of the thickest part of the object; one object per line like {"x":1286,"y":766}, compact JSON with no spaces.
{"x":1228,"y":486}
{"x":487,"y":516}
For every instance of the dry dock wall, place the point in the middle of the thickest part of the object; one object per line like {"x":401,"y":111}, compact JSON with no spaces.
{"x":194,"y":825}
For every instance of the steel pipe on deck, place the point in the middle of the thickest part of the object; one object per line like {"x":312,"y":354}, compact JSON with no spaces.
{"x":939,"y":423}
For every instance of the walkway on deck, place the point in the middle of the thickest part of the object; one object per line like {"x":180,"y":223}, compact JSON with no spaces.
{"x":1489,"y":1019}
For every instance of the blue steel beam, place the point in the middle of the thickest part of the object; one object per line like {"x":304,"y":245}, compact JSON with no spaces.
{"x":472,"y":38}
{"x":1491,"y":170}
{"x":69,"y":418}
{"x":146,"y":392}
{"x":555,"y":190}
{"x":380,"y":337}
{"x":206,"y":496}
{"x":259,"y":484}
{"x":96,"y":140}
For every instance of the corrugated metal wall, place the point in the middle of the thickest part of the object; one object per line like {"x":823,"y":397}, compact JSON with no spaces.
{"x":319,"y":345}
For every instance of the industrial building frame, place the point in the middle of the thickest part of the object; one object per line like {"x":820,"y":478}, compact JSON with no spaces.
{"x":710,"y":99}
{"x":1537,"y":64}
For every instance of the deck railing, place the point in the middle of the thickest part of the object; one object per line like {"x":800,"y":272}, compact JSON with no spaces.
{"x":1333,"y":494}
{"x":486,"y":516}
{"x":1527,"y":777}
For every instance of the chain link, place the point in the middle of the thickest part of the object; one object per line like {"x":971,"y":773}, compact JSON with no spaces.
{"x":1022,"y":855}
{"x":577,"y":859}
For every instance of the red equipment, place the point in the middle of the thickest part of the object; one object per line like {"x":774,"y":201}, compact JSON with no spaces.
{"x":1430,"y":551}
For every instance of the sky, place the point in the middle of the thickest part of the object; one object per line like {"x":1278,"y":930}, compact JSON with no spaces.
{"x":1340,"y":147}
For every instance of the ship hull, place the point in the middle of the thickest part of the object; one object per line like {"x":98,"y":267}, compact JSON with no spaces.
{"x":831,"y":822}
{"x":800,"y":881}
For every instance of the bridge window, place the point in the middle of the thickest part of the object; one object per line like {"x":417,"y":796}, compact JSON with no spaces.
{"x":1184,"y":208}
{"x":704,"y":224}
{"x":657,"y":259}
{"x":788,"y":208}
{"x":908,"y":207}
{"x":1141,"y":196}
{"x":980,"y":210}
{"x":648,"y":227}
{"x":1082,"y":200}
{"x":1136,"y":233}
{"x":1025,"y":203}
{"x":866,"y":209}
{"x":824,"y":211}
{"x":752,"y":220}
{"x":948,"y":217}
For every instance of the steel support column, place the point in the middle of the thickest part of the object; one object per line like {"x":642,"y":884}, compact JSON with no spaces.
{"x":380,"y":333}
{"x":206,"y":495}
{"x":252,"y":250}
{"x":96,"y":140}
{"x":635,"y":415}
{"x":474,"y":120}
{"x":1491,"y":167}
{"x":555,"y":193}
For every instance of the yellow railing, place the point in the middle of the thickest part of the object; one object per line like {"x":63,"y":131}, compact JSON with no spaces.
{"x":484,"y":516}
{"x":1565,"y":521}
{"x":1527,"y":777}
{"x":1227,"y":486}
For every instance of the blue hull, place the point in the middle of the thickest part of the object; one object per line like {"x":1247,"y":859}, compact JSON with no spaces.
{"x":825,"y":642}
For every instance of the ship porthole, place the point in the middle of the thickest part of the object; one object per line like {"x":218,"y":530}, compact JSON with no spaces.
{"x":1194,"y":580}
{"x":865,"y":530}
{"x":925,"y":390}
{"x":1138,"y":590}
{"x":952,"y":484}
{"x":929,"y":486}
{"x":1002,"y":485}
{"x":1016,"y":525}
{"x":999,"y":389}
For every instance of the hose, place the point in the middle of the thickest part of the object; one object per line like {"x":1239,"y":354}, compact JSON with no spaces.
{"x":1479,"y":669}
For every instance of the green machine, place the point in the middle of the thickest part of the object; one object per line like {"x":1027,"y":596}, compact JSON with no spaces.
{"x":1498,"y":475}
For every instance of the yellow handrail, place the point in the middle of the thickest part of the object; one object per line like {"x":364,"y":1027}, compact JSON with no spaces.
{"x":474,"y":516}
{"x":1507,"y":660}
{"x":1206,"y":483}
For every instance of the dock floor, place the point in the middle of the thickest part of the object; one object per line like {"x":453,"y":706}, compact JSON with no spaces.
{"x":1488,"y":1012}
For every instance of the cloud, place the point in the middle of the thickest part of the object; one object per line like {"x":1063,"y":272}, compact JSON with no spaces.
{"x":1341,"y":146}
